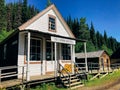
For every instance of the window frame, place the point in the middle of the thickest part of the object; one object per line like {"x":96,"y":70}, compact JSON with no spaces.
{"x":66,"y":52}
{"x":35,"y":47}
{"x":49,"y":25}
{"x":33,"y":61}
{"x":52,"y":50}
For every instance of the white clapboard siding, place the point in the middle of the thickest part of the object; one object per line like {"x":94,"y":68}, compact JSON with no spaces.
{"x":21,"y":46}
{"x":41,"y":24}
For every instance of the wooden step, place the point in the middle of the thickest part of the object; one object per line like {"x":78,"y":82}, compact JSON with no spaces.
{"x":74,"y":80}
{"x":72,"y":77}
{"x":73,"y":84}
{"x":78,"y":86}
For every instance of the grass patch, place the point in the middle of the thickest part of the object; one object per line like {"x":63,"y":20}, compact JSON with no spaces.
{"x":49,"y":86}
{"x":90,"y":83}
{"x":109,"y":78}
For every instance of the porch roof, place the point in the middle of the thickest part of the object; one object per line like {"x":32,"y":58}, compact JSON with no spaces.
{"x":49,"y":34}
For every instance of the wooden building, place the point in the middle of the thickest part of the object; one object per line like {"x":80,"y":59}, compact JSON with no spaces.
{"x":98,"y":58}
{"x":40,"y":44}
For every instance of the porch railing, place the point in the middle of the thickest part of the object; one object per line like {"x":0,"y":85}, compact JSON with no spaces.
{"x":115,"y":66}
{"x":80,"y":72}
{"x":93,"y":67}
{"x":8,"y":72}
{"x":64,"y":74}
{"x":81,"y":66}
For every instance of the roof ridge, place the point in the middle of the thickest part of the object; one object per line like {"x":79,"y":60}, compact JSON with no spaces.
{"x":53,"y":7}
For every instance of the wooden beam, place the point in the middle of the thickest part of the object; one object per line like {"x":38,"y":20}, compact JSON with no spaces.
{"x":55,"y":59}
{"x":28,"y":58}
{"x":86,"y":65}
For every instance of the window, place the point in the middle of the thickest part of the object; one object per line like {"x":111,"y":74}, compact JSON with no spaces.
{"x":50,"y":51}
{"x":66,"y":52}
{"x":35,"y":50}
{"x":52,"y":23}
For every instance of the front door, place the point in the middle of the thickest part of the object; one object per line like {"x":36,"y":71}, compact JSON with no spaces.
{"x":50,"y":57}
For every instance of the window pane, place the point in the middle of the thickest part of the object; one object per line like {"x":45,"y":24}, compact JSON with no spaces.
{"x":38,"y":49}
{"x":51,"y":23}
{"x":38,"y":56}
{"x":35,"y":50}
{"x":33,"y":42}
{"x":33,"y":57}
{"x":49,"y":51}
{"x":38,"y":42}
{"x":66,"y":52}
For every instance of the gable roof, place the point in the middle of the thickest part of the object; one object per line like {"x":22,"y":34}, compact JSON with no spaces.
{"x":95,"y":54}
{"x":30,"y":21}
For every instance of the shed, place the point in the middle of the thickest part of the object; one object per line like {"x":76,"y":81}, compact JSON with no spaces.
{"x":100,"y":58}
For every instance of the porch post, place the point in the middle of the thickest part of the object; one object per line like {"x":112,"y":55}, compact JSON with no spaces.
{"x":86,"y":65}
{"x":28,"y":58}
{"x":73,"y":57}
{"x":55,"y":60}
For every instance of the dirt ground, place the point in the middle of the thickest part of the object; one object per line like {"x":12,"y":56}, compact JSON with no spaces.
{"x":108,"y":86}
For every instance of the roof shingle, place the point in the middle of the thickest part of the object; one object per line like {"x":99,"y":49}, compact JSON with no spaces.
{"x":94,"y":54}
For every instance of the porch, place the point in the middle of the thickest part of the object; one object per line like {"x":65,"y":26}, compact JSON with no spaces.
{"x":9,"y":79}
{"x":41,"y":52}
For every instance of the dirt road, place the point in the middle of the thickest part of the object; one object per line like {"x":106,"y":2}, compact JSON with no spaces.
{"x":108,"y":86}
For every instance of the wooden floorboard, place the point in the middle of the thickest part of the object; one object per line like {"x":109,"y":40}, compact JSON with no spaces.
{"x":15,"y":82}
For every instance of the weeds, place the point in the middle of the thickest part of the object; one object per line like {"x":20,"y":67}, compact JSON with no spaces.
{"x":50,"y":86}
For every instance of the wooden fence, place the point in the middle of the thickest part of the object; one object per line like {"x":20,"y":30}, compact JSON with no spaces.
{"x":11,"y":72}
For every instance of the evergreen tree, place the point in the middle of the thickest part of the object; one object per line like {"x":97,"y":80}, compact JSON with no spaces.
{"x":90,"y":46}
{"x":109,"y":51}
{"x":9,"y":16}
{"x":18,"y":17}
{"x":83,"y":30}
{"x":24,"y":11}
{"x":2,"y":14}
{"x":75,"y":28}
{"x":15,"y":15}
{"x":48,"y":3}
{"x":4,"y":34}
{"x":93,"y":35}
{"x":105,"y":38}
{"x":70,"y":22}
{"x":99,"y":44}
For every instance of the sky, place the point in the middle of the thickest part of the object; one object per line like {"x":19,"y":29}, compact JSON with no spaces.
{"x":104,"y":14}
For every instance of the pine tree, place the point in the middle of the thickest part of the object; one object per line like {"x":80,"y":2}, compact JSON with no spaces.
{"x":93,"y":35}
{"x":105,"y":38}
{"x":24,"y":11}
{"x":83,"y":30}
{"x":69,"y":22}
{"x":48,"y":3}
{"x":2,"y":15}
{"x":14,"y":14}
{"x":75,"y":27}
{"x":19,"y":14}
{"x":99,"y":44}
{"x":9,"y":16}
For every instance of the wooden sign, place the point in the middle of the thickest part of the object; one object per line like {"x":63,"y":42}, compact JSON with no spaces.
{"x":62,"y":40}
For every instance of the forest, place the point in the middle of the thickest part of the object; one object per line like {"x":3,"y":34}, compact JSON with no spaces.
{"x":13,"y":15}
